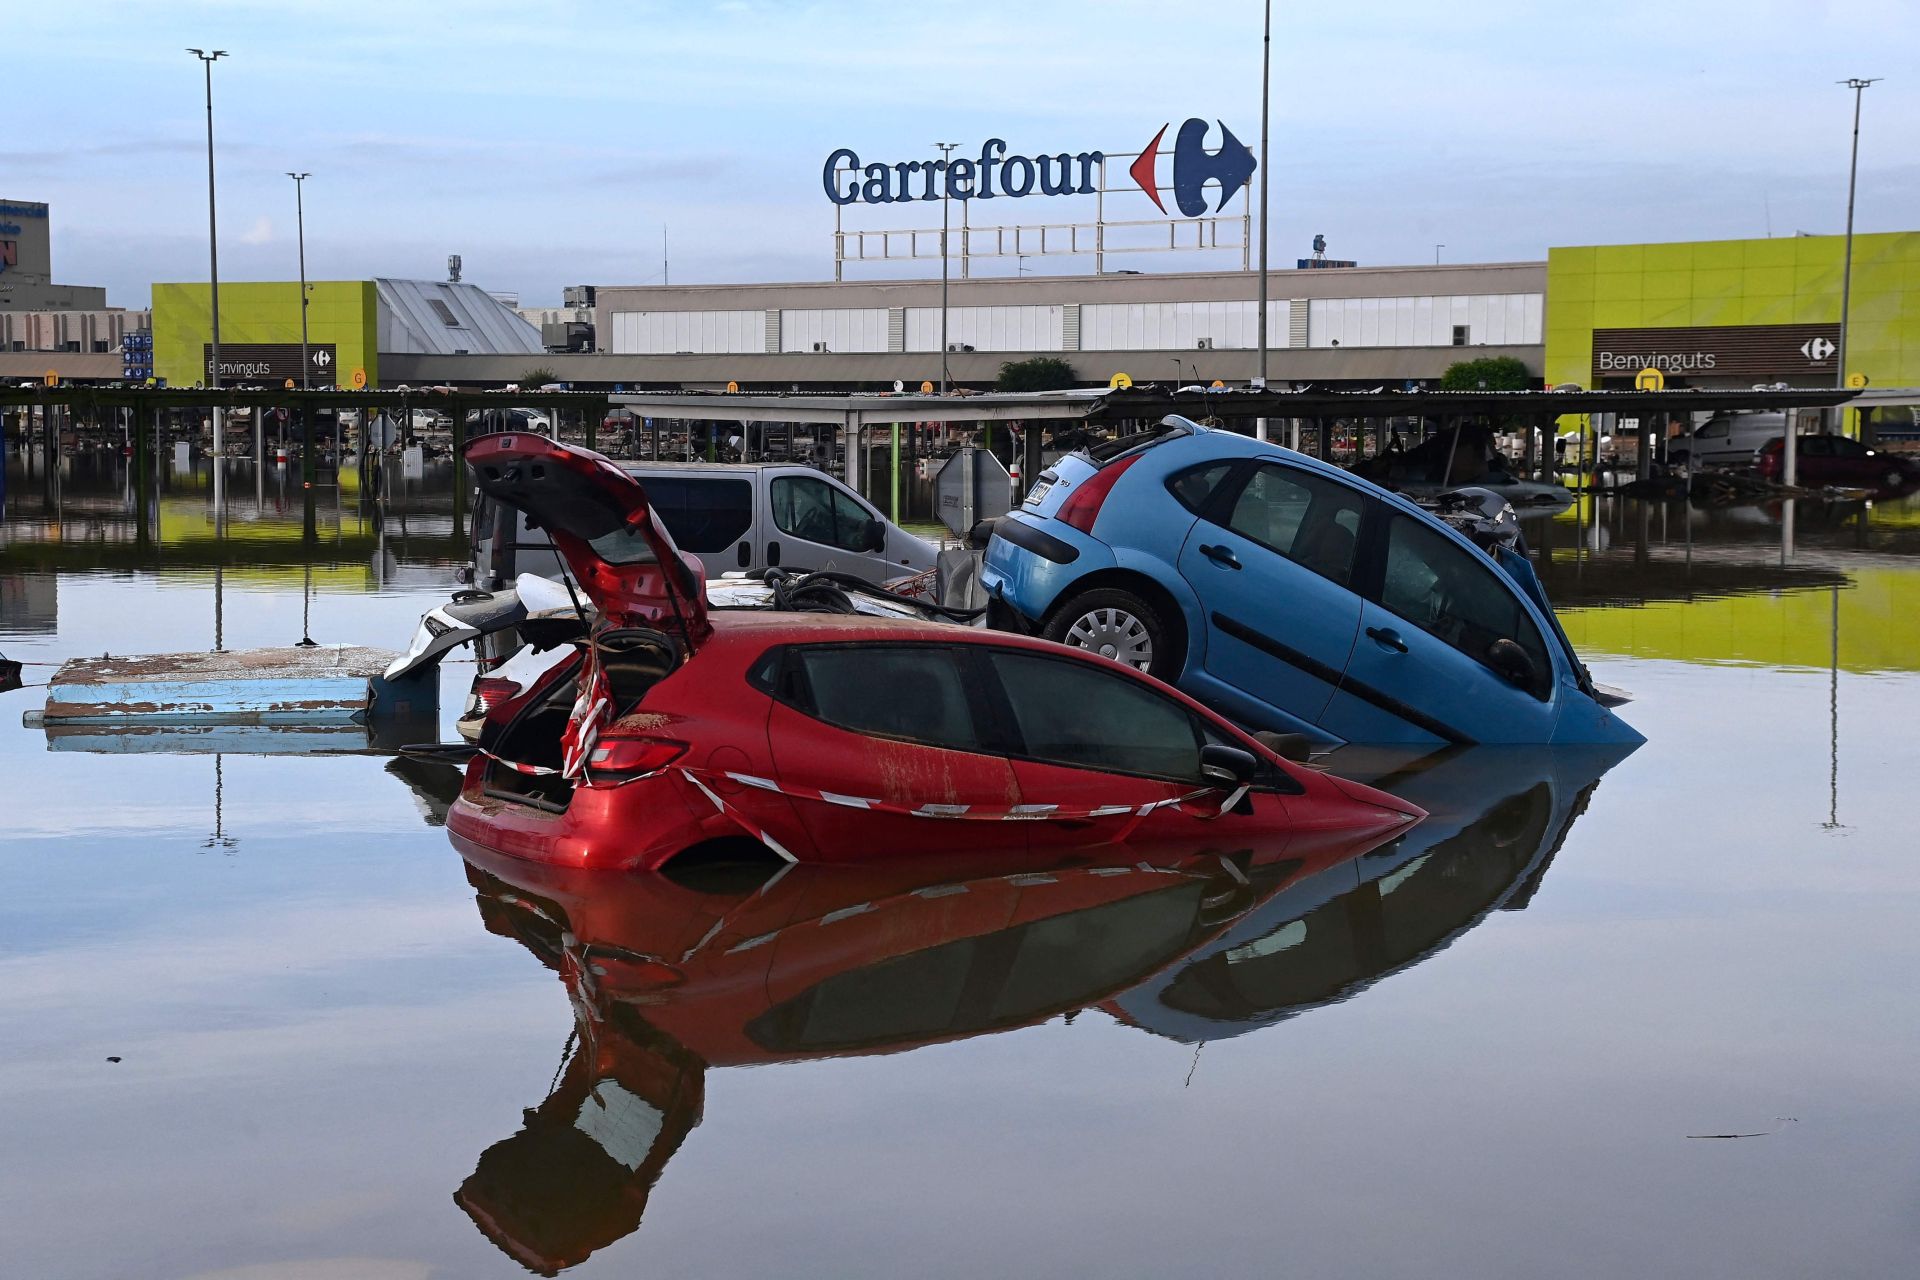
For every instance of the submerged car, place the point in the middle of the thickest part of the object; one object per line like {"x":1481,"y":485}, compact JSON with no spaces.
{"x":1290,"y":595}
{"x":1450,"y":459}
{"x":677,"y":730}
{"x":1838,"y":460}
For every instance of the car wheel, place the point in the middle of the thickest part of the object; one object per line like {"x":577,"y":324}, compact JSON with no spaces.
{"x":1894,"y":478}
{"x":1119,"y":625}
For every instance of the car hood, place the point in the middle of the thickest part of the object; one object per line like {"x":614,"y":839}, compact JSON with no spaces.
{"x":601,"y":524}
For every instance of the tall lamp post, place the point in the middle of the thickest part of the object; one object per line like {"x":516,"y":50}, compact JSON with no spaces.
{"x":1846,"y":271}
{"x":300,"y":217}
{"x":213,"y":232}
{"x":1266,"y":76}
{"x":946,"y":150}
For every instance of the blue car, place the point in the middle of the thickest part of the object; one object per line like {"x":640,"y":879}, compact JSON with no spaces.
{"x":1290,"y":595}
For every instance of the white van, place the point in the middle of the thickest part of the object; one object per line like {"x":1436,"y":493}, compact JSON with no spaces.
{"x":1729,"y":439}
{"x":737,"y":517}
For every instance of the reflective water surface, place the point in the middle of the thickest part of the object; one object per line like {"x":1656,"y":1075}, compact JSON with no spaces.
{"x":259,"y":1018}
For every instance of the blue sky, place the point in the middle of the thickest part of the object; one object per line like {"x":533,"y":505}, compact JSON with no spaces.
{"x":549,"y":143}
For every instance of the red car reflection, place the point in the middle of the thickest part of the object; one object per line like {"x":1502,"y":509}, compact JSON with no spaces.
{"x":683,"y":731}
{"x":669,"y":978}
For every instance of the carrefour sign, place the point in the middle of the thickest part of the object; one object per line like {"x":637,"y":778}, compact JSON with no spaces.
{"x":993,"y":173}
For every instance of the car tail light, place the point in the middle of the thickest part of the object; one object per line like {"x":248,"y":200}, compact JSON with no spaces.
{"x":490,"y":692}
{"x":634,"y":757}
{"x":1082,"y":506}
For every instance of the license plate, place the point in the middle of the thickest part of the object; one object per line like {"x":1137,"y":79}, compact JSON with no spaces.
{"x":1038,"y":492}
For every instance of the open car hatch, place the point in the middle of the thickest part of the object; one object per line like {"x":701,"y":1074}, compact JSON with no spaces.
{"x":600,"y":522}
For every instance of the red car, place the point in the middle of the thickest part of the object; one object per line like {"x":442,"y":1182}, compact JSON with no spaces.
{"x":682,"y":732}
{"x":1838,"y":460}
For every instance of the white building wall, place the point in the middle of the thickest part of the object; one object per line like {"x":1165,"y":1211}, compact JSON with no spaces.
{"x":1180,"y":326}
{"x":700,"y":332}
{"x":988,"y":328}
{"x":1492,"y":319}
{"x":844,"y":329}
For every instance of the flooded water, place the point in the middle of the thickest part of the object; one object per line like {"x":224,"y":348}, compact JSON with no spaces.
{"x":1598,"y":1016}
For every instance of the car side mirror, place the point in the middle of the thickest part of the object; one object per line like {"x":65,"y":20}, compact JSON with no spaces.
{"x":1226,"y":766}
{"x":876,"y":535}
{"x":1511,"y":661}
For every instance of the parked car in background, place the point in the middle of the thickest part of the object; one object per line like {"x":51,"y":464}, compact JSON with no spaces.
{"x":1839,"y":460}
{"x":1290,"y":595}
{"x":1728,"y":439}
{"x":738,"y":517}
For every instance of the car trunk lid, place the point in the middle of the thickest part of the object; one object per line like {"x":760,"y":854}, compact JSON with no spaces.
{"x":601,"y":524}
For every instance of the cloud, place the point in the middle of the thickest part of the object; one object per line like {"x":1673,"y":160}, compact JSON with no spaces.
{"x":261,"y":232}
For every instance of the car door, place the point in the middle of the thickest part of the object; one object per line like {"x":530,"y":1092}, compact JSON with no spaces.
{"x":1087,"y":737}
{"x":817,"y":524}
{"x":884,"y":750}
{"x":1272,"y":560}
{"x":1424,"y":668}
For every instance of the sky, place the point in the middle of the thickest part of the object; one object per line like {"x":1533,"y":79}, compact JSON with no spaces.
{"x":554,"y":143}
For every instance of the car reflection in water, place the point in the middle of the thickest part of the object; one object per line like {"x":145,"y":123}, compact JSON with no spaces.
{"x":672,"y":976}
{"x":1497,"y":817}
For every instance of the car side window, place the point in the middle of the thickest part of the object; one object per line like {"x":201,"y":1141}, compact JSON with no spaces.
{"x":813,"y":510}
{"x":1193,"y":487}
{"x":1074,"y":713}
{"x":916,"y":693}
{"x":1312,"y":521}
{"x":1713,"y":430}
{"x":703,"y":513}
{"x":1816,"y":447}
{"x":1845,"y":448}
{"x":1447,"y":592}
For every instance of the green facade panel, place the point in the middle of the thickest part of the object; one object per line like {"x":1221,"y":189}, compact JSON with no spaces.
{"x":343,"y":312}
{"x":1795,"y":280}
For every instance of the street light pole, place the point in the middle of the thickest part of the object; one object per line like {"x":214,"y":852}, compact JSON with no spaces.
{"x":946,"y":188}
{"x":213,"y":262}
{"x":1266,"y":77}
{"x":300,"y":215}
{"x":1846,"y":271}
{"x":1436,"y":254}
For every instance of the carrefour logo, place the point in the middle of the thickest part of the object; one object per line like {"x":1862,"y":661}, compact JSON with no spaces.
{"x":848,"y":179}
{"x":1194,"y":166}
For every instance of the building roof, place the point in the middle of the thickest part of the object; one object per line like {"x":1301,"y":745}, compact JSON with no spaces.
{"x":431,"y":317}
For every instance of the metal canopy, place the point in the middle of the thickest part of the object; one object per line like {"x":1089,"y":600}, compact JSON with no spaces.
{"x":1148,"y":402}
{"x":859,"y":410}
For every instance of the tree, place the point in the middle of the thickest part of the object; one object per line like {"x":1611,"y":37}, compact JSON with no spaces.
{"x":1491,"y":373}
{"x":1042,"y":373}
{"x":540,"y":376}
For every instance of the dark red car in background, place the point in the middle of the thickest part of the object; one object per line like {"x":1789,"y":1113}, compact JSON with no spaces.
{"x":810,"y":737}
{"x":1839,"y":460}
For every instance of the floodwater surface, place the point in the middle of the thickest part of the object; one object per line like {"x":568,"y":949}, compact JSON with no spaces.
{"x":1600,"y":1015}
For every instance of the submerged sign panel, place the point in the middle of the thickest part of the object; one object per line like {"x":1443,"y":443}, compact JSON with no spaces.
{"x":1743,"y":350}
{"x":848,"y":179}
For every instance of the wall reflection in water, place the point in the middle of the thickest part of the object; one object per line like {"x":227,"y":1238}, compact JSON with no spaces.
{"x":671,"y":977}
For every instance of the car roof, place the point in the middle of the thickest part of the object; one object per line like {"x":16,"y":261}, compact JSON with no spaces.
{"x":638,"y":468}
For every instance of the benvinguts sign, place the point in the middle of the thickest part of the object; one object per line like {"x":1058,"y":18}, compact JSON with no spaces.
{"x":1741,"y":351}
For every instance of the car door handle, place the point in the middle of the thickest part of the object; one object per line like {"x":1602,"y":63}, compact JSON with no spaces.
{"x":1387,"y":638}
{"x":1222,"y":556}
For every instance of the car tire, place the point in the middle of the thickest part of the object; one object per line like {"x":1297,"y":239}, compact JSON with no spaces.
{"x":1894,"y":478}
{"x":1119,"y":625}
